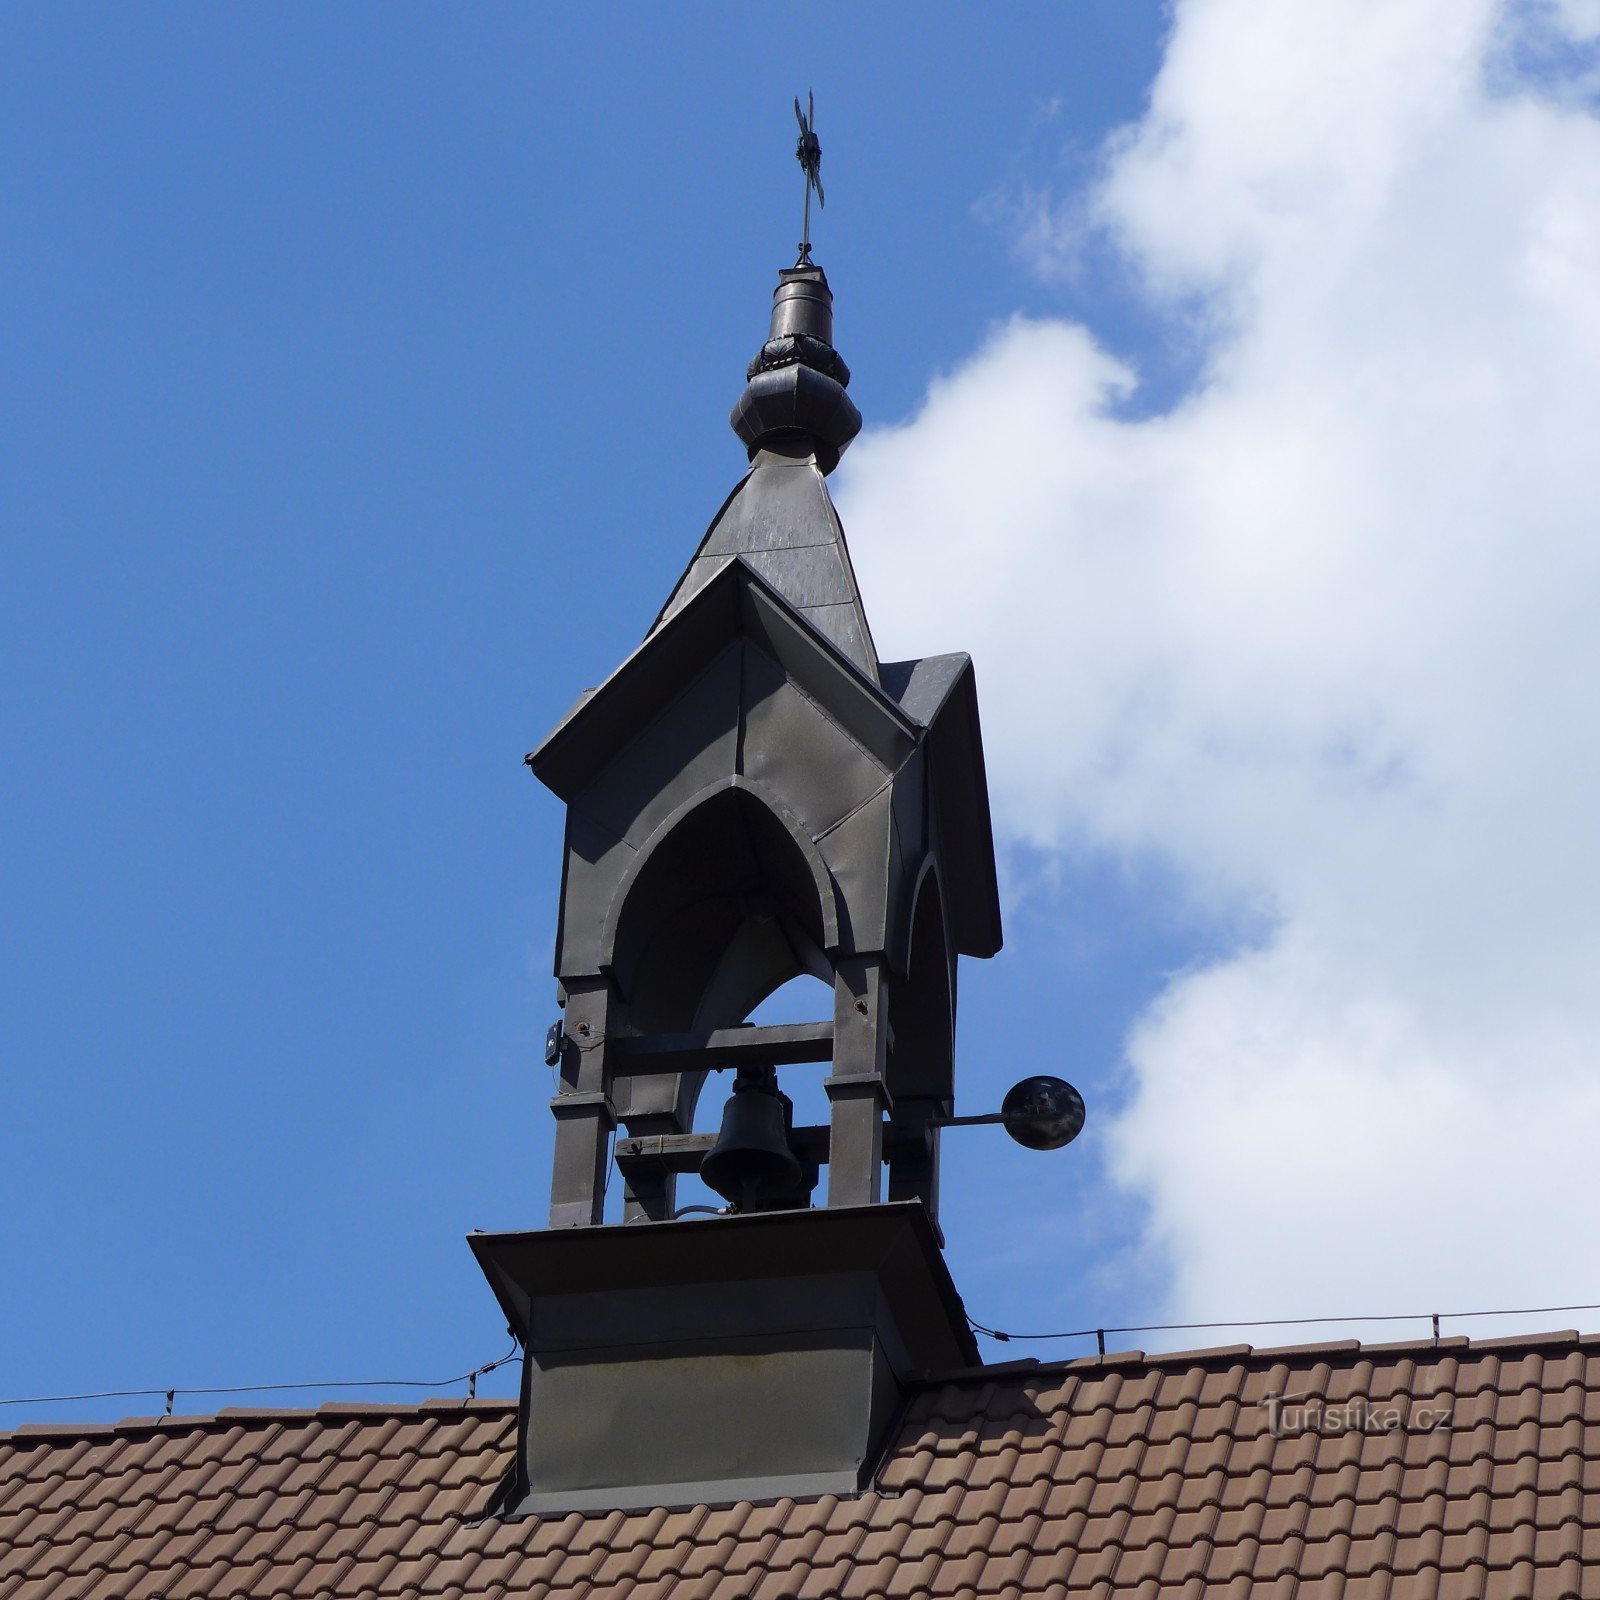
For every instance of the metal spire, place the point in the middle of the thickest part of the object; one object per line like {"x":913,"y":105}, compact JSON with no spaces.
{"x":808,"y":152}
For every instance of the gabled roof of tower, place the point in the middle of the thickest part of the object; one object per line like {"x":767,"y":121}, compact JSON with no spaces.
{"x":774,"y":566}
{"x":932,"y":700}
{"x":733,"y":599}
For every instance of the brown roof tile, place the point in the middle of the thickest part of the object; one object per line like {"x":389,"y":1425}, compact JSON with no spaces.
{"x":1127,"y":1479}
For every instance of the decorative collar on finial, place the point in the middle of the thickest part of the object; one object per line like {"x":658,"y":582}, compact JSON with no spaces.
{"x":808,"y":152}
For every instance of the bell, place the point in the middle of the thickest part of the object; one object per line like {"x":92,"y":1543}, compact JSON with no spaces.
{"x":751,"y":1165}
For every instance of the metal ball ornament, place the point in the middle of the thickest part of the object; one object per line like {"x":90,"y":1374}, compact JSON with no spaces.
{"x":1043,"y":1113}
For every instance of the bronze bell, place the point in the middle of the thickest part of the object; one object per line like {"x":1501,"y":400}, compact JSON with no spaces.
{"x":751,"y":1165}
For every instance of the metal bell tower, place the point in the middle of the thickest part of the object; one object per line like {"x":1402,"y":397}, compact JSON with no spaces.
{"x":750,"y":796}
{"x":754,"y":795}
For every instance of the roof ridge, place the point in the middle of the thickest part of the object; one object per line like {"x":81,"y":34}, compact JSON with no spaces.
{"x":1452,"y":1344}
{"x":231,"y":1416}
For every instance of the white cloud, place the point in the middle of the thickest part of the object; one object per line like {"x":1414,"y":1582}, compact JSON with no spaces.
{"x":1325,"y":636}
{"x":1578,"y":19}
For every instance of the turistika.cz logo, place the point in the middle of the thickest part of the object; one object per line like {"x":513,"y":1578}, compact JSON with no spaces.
{"x":1289,"y":1416}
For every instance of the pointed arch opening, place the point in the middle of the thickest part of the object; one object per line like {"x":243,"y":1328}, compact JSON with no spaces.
{"x":729,"y":902}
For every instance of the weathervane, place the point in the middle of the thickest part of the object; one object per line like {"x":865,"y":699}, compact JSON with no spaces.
{"x":808,"y":152}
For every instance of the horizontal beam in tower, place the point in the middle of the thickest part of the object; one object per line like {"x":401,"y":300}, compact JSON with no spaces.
{"x":781,"y":1045}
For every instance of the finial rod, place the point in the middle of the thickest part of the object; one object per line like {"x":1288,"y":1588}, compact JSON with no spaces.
{"x":808,"y":152}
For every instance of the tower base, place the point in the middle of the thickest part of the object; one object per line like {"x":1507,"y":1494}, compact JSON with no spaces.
{"x":719,"y":1359}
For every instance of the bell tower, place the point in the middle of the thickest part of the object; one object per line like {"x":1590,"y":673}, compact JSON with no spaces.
{"x":752,"y":795}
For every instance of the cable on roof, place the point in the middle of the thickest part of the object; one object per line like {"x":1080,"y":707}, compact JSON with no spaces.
{"x":468,"y":1378}
{"x":1436,"y":1317}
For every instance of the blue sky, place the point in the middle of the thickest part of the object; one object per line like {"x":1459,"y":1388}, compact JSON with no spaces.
{"x":366,"y":390}
{"x":1231,"y":374}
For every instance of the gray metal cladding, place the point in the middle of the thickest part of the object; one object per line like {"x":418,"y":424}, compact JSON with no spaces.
{"x":781,"y":520}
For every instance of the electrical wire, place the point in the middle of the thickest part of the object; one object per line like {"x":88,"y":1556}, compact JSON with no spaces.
{"x":1435,"y":1317}
{"x":468,"y":1378}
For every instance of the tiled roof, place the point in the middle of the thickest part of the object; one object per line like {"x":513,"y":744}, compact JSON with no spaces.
{"x":1131,"y":1476}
